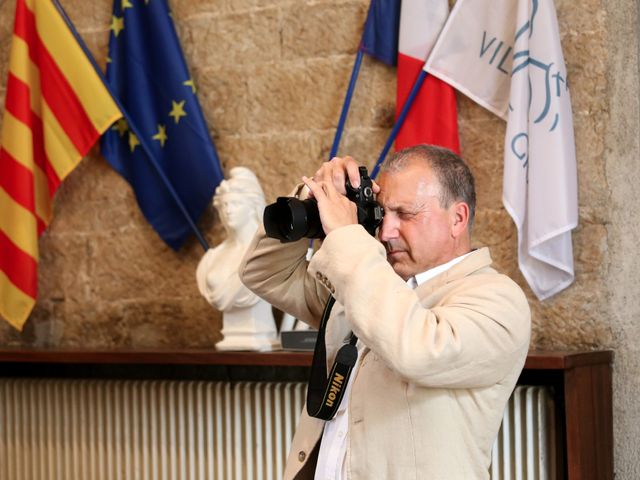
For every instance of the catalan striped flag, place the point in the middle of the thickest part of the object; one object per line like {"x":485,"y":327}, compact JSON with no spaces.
{"x":56,"y":108}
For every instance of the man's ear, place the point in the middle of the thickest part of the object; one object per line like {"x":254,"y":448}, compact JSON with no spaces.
{"x":460,"y":218}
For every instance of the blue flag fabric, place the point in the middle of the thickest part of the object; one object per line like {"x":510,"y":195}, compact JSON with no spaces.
{"x":149,"y":75}
{"x":381,"y":29}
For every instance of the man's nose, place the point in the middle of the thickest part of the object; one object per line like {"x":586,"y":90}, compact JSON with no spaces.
{"x":389,"y":228}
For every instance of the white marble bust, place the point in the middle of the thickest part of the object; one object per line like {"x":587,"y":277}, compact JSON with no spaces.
{"x":248,"y":322}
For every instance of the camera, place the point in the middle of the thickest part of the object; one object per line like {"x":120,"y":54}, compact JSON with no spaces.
{"x":290,"y":219}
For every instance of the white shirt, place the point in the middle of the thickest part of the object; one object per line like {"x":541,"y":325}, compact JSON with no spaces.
{"x":332,"y":456}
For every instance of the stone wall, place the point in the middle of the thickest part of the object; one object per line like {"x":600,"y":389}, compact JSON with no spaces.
{"x":620,"y":283}
{"x":271,"y":77}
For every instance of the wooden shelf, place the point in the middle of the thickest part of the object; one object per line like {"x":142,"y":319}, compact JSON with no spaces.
{"x":155,"y":357}
{"x":536,"y":360}
{"x":563,"y":360}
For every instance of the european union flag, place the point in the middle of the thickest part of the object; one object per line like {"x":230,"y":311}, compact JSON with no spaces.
{"x":149,"y":75}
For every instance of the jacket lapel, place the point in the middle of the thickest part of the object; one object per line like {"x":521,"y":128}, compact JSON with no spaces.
{"x":478,"y":260}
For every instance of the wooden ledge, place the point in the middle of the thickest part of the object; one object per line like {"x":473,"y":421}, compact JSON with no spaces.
{"x":536,"y":360}
{"x":565,"y":360}
{"x":155,"y":357}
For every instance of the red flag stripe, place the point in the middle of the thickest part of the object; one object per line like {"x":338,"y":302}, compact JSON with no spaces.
{"x":57,"y":92}
{"x":18,"y":182}
{"x":433,"y":115}
{"x":18,"y":104}
{"x":19,"y":267}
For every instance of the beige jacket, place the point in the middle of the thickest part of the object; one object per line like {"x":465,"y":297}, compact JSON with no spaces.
{"x":440,"y":364}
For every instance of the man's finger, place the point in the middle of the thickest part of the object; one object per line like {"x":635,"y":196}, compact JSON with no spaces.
{"x":331,"y":190}
{"x":351,"y":166}
{"x":315,"y":188}
{"x":321,"y":172}
{"x":338,"y":170}
{"x":338,"y":179}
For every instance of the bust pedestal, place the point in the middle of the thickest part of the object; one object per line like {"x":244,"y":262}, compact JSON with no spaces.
{"x":249,"y":328}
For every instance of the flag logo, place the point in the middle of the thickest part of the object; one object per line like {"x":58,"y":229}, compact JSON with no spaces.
{"x":506,"y":56}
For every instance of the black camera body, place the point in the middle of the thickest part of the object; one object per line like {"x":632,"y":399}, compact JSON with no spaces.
{"x":290,"y":219}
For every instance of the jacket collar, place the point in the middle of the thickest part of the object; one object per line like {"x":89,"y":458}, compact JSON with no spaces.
{"x":338,"y":332}
{"x":476,"y":260}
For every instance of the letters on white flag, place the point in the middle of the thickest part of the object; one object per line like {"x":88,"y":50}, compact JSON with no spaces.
{"x":506,"y":56}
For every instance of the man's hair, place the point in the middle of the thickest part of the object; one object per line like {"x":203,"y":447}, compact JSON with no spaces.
{"x":455,"y":179}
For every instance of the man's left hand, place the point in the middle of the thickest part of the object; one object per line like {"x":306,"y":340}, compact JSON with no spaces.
{"x":336,"y":210}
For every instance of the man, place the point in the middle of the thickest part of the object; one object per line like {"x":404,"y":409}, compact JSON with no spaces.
{"x":442,"y":336}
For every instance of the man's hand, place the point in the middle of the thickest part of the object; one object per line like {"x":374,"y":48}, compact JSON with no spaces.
{"x":336,"y":210}
{"x":328,"y":187}
{"x":337,"y":171}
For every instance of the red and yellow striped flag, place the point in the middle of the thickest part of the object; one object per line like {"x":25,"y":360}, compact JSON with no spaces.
{"x":56,"y":108}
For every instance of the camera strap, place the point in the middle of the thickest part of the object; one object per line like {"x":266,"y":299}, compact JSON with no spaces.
{"x":324,"y":394}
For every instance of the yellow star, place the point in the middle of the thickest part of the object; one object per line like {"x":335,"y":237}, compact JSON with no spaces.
{"x":126,"y":4}
{"x":189,"y":83}
{"x":121,"y":126}
{"x":133,"y":141}
{"x":117,"y":24}
{"x":109,"y":60}
{"x":177,"y":110}
{"x":161,"y":136}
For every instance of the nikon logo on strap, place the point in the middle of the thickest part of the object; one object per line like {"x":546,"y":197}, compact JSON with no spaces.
{"x":324,"y":392}
{"x":334,"y":390}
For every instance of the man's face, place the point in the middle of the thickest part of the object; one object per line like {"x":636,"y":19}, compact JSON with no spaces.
{"x":416,"y":230}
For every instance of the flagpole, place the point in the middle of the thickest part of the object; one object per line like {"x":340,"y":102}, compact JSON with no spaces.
{"x":133,"y":128}
{"x":343,"y":116}
{"x":347,"y":103}
{"x":399,"y":121}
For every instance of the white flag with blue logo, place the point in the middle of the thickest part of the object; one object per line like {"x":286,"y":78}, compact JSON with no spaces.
{"x":506,"y":55}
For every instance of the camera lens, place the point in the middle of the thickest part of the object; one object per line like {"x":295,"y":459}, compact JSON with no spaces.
{"x":290,"y":219}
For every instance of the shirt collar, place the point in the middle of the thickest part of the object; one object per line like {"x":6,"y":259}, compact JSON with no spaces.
{"x":420,"y":278}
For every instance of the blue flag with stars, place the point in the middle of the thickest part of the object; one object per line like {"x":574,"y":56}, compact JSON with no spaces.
{"x":148,"y":74}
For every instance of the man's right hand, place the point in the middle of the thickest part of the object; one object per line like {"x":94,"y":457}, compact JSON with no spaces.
{"x":328,"y":187}
{"x":337,"y":170}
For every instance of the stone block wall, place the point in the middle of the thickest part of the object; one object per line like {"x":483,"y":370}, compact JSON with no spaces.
{"x":271,"y":78}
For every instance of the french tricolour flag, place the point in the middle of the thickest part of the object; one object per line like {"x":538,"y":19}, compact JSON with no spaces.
{"x":433,"y":116}
{"x":404,"y":33}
